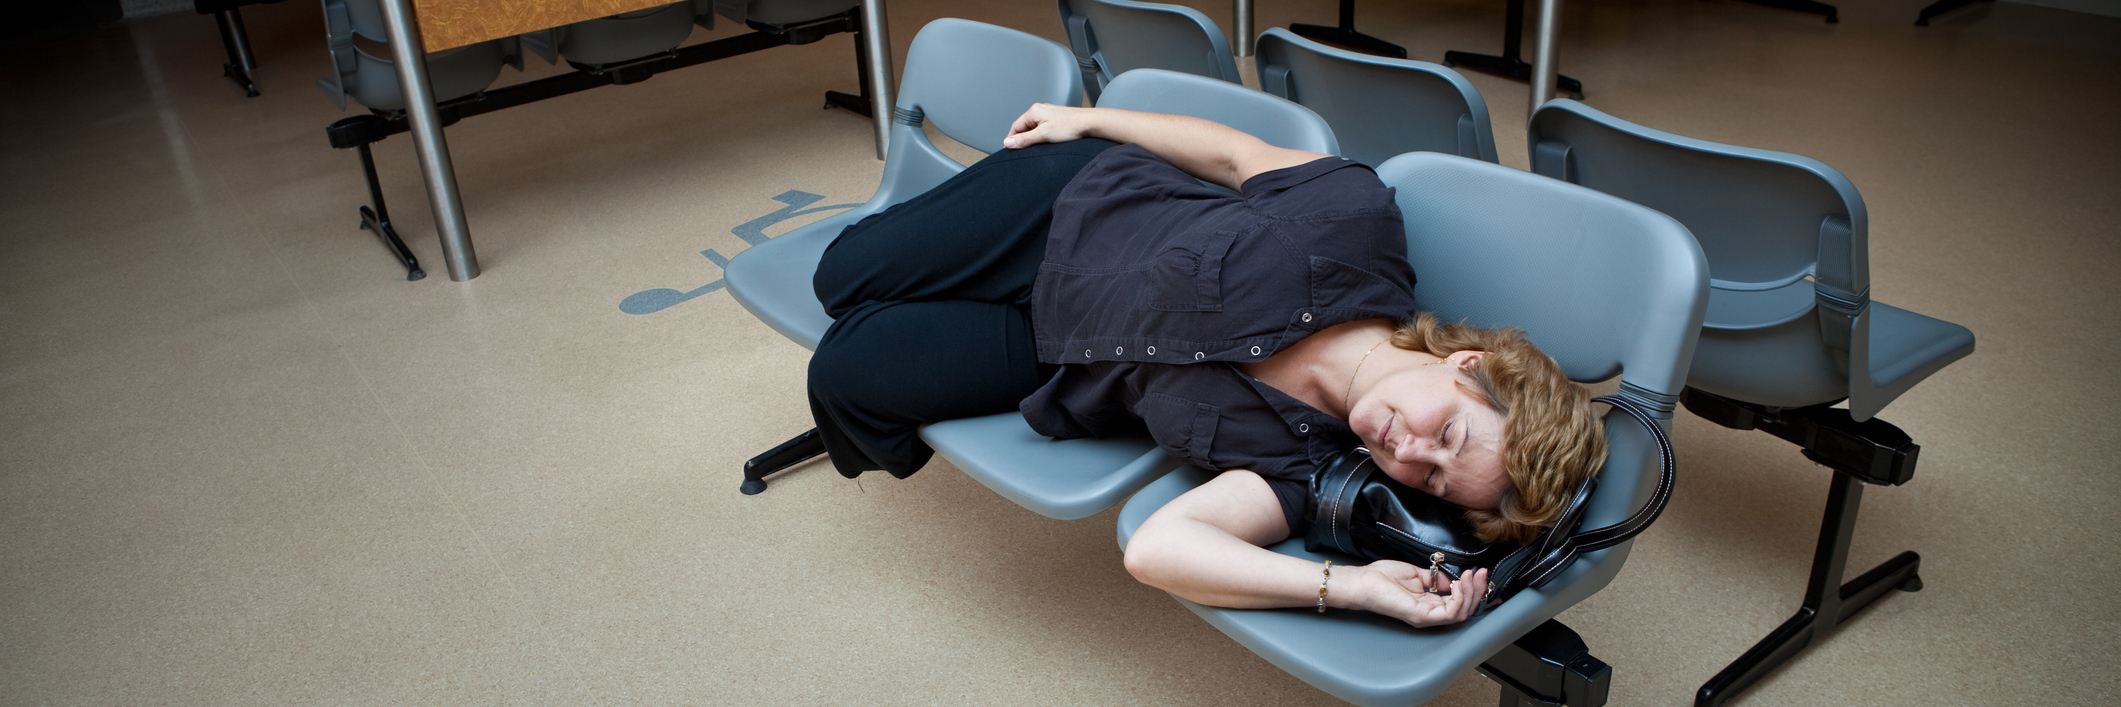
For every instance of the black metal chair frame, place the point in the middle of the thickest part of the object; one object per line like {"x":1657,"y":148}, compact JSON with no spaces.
{"x":360,"y":131}
{"x":1869,"y":452}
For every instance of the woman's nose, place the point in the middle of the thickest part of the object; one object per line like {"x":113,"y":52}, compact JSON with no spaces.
{"x":1411,"y":449}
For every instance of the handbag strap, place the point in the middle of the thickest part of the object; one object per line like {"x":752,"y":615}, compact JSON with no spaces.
{"x":1550,"y":564}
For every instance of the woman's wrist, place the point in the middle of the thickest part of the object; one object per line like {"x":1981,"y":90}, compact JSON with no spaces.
{"x":1351,"y":587}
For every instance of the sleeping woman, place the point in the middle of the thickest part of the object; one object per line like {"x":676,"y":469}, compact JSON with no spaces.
{"x":1086,"y":277}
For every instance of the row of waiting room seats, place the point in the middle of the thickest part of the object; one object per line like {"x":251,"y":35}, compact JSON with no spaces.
{"x":1759,"y":258}
{"x":364,"y":74}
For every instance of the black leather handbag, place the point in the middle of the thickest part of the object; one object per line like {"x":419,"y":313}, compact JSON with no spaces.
{"x":1355,"y":511}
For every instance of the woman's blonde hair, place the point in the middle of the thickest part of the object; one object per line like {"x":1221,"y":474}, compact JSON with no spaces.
{"x":1551,"y":441}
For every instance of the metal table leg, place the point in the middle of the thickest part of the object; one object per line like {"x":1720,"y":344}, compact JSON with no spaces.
{"x":1543,"y":59}
{"x":433,"y":152}
{"x":876,"y":45}
{"x":1241,"y":25}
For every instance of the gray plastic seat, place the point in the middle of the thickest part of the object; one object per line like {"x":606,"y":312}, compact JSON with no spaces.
{"x":1788,"y":240}
{"x":625,"y":36}
{"x":1379,"y":108}
{"x":1069,"y":479}
{"x":1791,"y":330}
{"x":372,"y":80}
{"x":1112,"y":37}
{"x":1604,"y":286}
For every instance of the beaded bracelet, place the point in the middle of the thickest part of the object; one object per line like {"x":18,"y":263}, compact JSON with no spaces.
{"x":1322,"y":586}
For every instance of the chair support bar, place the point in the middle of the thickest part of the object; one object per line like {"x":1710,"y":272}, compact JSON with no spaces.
{"x":1549,"y":667}
{"x":1873,"y":451}
{"x":804,"y":447}
{"x":1868,"y":452}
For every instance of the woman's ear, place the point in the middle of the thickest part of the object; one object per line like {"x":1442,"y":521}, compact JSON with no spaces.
{"x":1465,"y":359}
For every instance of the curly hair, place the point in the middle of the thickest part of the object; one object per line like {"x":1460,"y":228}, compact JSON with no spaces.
{"x":1551,"y":441}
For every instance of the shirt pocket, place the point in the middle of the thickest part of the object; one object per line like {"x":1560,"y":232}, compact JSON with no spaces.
{"x":1182,"y":427}
{"x":1188,"y":275}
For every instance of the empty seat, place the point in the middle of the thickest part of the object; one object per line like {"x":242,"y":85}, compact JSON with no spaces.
{"x":1379,"y":108}
{"x":1112,"y":37}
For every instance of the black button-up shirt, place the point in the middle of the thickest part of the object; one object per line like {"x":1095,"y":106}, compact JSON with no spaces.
{"x":1149,"y":272}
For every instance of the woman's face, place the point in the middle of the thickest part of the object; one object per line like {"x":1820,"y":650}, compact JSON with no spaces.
{"x":1427,"y":432}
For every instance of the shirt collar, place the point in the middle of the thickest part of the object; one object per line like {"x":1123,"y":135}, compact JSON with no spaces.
{"x":1303,"y":420}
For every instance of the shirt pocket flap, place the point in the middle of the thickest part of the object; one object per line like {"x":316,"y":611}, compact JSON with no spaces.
{"x":1182,"y":427}
{"x":1188,"y":275}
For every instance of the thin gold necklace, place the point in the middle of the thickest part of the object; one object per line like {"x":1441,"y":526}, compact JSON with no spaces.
{"x":1345,"y":396}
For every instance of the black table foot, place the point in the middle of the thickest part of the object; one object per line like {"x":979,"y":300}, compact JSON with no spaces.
{"x":1348,"y":37}
{"x":847,"y":101}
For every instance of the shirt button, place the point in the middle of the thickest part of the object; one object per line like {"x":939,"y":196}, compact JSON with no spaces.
{"x":1305,"y":427}
{"x":1117,"y":350}
{"x":1307,"y":316}
{"x":1086,"y":353}
{"x":1152,"y":351}
{"x":1255,"y":351}
{"x":1199,"y":355}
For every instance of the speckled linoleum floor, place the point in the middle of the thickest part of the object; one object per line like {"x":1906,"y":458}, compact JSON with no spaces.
{"x":243,"y":461}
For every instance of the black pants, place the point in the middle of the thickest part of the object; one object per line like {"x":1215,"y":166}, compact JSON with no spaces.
{"x":930,"y":303}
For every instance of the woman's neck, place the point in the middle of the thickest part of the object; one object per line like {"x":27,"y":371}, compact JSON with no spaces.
{"x":1319,"y":369}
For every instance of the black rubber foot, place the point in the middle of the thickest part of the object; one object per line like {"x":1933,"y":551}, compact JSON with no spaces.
{"x":1913,"y":584}
{"x":753,"y":487}
{"x":416,"y":274}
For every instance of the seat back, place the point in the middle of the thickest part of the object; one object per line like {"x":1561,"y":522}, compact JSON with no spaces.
{"x":972,"y":80}
{"x":1378,"y":107}
{"x":1603,"y":286}
{"x":372,"y":81}
{"x":1787,"y":244}
{"x":1274,"y":120}
{"x":1112,"y":37}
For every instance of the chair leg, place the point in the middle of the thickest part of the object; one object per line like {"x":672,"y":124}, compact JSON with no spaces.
{"x":1549,"y":667}
{"x":1827,"y":602}
{"x":1345,"y":35}
{"x":240,"y":66}
{"x":377,"y":221}
{"x":1510,"y":64}
{"x":790,"y":453}
{"x":852,"y":103}
{"x":1869,"y":452}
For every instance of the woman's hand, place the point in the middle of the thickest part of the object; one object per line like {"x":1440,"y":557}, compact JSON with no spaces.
{"x":1405,"y":592}
{"x":1046,"y":122}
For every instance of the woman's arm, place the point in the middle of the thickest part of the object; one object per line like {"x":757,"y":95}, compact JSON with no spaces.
{"x":1206,"y":546}
{"x":1203,"y":148}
